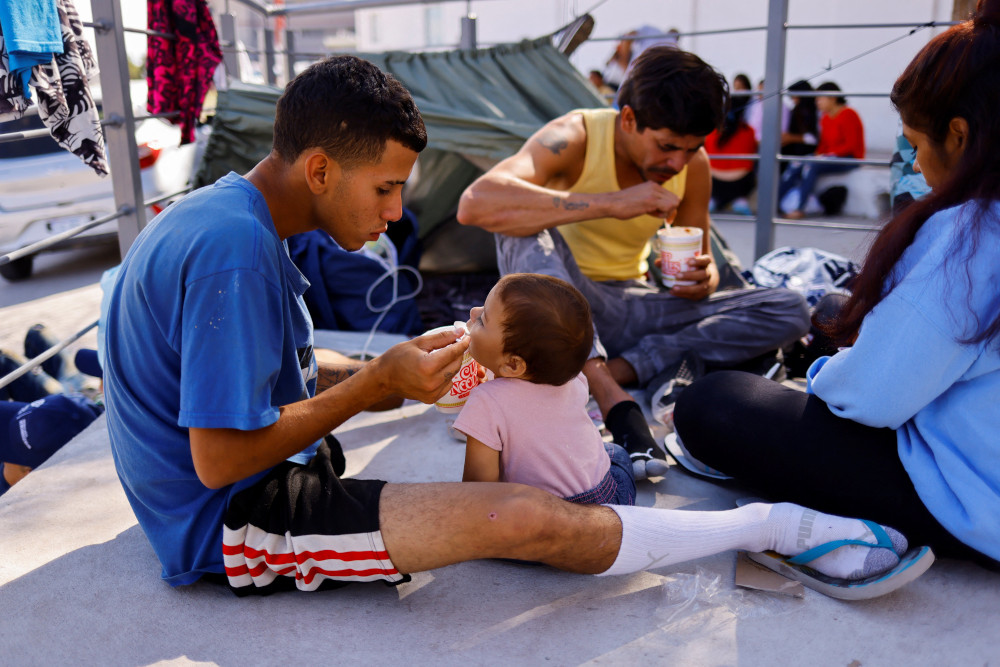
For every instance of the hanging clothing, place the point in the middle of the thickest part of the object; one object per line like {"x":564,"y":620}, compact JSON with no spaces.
{"x":180,"y":70}
{"x":65,"y":103}
{"x":32,"y":34}
{"x":12,"y":101}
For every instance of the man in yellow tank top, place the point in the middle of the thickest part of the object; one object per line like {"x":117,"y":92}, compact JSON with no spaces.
{"x":582,"y":199}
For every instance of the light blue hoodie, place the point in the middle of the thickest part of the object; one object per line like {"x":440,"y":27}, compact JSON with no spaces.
{"x":908,"y":371}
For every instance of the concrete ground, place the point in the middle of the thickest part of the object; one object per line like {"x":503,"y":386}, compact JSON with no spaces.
{"x":79,"y":582}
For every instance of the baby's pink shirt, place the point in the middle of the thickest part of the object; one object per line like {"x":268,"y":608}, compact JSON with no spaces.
{"x":543,"y":433}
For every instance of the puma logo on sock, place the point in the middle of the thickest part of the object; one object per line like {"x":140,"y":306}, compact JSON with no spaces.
{"x":805,"y":529}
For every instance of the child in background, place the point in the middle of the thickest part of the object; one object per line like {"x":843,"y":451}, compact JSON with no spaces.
{"x":530,"y":424}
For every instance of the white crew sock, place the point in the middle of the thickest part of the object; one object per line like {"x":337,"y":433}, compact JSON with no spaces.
{"x":654,"y":538}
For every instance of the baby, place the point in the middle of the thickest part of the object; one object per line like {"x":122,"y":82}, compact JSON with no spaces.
{"x":530,"y":424}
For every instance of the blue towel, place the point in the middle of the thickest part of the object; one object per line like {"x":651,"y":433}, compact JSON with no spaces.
{"x":32,"y":35}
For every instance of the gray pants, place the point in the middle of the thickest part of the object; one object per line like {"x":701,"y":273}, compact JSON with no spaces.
{"x":650,"y":328}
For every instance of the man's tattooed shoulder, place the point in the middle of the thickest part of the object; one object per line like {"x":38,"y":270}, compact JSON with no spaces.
{"x":554,"y":142}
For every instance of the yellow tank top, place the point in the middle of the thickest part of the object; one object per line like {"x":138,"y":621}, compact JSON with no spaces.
{"x":608,"y":248}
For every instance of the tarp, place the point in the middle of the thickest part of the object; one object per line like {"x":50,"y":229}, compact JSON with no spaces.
{"x":479,"y":107}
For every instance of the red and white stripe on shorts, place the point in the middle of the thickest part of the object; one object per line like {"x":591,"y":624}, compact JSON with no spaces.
{"x":255,"y":557}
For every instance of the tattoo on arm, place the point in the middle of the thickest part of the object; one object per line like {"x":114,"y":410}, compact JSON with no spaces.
{"x":329,"y":375}
{"x":554,"y":143}
{"x":559,"y":202}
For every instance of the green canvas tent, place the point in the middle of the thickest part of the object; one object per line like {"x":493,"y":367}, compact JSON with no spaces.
{"x":479,"y":107}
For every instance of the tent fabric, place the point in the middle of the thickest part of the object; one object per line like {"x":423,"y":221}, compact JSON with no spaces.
{"x":479,"y":107}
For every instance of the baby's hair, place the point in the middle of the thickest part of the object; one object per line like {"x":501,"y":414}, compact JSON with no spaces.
{"x":547,"y":323}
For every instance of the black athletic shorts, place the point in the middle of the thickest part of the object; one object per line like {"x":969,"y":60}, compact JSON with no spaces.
{"x":303,"y":527}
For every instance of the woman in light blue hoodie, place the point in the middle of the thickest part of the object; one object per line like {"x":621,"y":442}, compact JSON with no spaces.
{"x":903,"y":425}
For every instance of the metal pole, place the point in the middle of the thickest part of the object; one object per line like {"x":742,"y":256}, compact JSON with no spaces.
{"x":230,"y":57}
{"x":289,"y":54}
{"x":770,"y":140}
{"x":269,"y":56}
{"x":119,"y":133}
{"x":468,"y":40}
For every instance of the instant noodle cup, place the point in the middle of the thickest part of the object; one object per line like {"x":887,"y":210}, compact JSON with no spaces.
{"x":465,"y":380}
{"x":462,"y":385}
{"x":677,"y":245}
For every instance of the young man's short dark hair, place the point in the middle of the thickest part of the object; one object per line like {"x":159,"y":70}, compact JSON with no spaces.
{"x":349,"y":108}
{"x":674,"y":89}
{"x":547,"y":323}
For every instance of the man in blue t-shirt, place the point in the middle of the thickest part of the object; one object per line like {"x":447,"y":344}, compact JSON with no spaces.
{"x":219,"y":414}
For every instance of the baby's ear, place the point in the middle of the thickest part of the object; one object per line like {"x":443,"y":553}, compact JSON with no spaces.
{"x":513,"y":367}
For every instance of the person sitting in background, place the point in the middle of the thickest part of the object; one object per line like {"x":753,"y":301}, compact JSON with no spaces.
{"x":530,"y":424}
{"x":800,"y":135}
{"x":38,"y":412}
{"x":733,"y":180}
{"x":741,"y":83}
{"x":614,"y":69}
{"x":841,"y":135}
{"x":30,"y":433}
{"x":597,"y":81}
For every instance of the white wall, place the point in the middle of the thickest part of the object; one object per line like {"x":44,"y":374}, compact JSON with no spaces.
{"x":809,"y":52}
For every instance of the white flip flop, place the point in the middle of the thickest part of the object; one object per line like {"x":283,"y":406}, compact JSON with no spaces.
{"x":911,"y":565}
{"x":676,"y":449}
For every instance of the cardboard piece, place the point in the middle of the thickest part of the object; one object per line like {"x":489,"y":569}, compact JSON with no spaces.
{"x":753,"y":575}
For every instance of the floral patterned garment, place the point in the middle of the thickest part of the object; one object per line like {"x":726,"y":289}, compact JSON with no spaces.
{"x":180,"y":70}
{"x":12,"y":101}
{"x":65,"y":103}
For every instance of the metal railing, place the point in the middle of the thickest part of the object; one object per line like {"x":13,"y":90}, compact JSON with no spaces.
{"x":45,"y":356}
{"x":228,"y":40}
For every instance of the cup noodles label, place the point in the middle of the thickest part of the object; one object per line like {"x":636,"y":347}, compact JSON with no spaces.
{"x":672,"y":263}
{"x":466,"y":378}
{"x":462,"y":385}
{"x":677,"y":246}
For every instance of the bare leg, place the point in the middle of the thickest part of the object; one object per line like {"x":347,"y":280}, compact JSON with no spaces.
{"x":426,"y":526}
{"x":622,"y":371}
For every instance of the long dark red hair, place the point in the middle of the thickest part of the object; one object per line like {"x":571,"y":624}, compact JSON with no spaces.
{"x":957,"y":74}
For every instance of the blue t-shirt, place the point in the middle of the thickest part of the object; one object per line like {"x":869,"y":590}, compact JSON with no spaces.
{"x":206,"y":328}
{"x":909,"y":371}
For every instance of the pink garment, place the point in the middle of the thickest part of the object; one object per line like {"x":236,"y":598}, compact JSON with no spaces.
{"x":179,"y":71}
{"x":543,"y":433}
